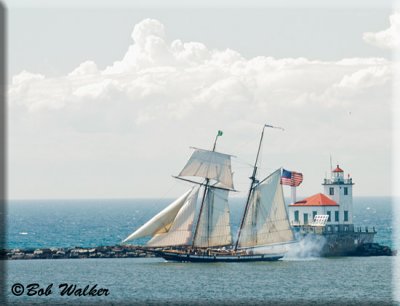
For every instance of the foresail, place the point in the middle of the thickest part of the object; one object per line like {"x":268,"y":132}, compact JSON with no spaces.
{"x":181,"y":230}
{"x":210,"y":165}
{"x":266,"y":219}
{"x":160,"y":223}
{"x":214,"y":225}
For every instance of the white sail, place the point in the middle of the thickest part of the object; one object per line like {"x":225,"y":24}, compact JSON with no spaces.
{"x":210,"y":165}
{"x":266,"y":220}
{"x":162,"y":222}
{"x":181,"y":230}
{"x":214,"y":226}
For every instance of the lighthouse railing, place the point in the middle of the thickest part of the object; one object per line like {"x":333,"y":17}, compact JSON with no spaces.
{"x":348,"y":181}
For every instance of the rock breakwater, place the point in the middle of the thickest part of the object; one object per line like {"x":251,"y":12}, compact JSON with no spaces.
{"x":125,"y":251}
{"x":129,"y":251}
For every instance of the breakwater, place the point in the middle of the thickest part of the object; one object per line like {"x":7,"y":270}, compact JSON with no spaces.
{"x":374,"y":249}
{"x":125,"y":251}
{"x":129,"y":251}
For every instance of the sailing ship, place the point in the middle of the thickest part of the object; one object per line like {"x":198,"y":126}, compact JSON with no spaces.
{"x":185,"y":232}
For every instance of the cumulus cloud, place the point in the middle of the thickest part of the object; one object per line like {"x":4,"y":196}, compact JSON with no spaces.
{"x":86,"y":68}
{"x":364,"y":78}
{"x":180,"y":87}
{"x":26,"y":77}
{"x":386,"y":39}
{"x":175,"y":79}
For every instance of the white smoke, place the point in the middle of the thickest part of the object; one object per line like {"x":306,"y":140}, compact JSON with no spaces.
{"x":308,"y":247}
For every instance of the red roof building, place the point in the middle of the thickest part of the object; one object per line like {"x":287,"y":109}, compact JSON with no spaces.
{"x":318,"y":199}
{"x":337,"y":169}
{"x":335,"y":203}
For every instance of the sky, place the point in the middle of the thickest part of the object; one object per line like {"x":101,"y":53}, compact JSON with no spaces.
{"x":105,"y":102}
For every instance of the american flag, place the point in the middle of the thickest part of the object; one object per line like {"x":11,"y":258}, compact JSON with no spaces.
{"x":291,"y":178}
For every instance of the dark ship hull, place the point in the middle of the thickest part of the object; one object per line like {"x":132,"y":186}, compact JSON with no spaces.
{"x":183,"y":257}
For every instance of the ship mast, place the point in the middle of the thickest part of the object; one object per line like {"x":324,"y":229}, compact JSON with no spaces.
{"x":206,"y":186}
{"x":254,"y":181}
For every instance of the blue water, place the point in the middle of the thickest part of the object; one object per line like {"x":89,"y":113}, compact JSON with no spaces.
{"x":143,"y":281}
{"x":323,"y":281}
{"x":66,"y":223}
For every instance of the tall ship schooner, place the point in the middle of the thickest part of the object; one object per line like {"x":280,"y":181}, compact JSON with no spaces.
{"x":200,"y":231}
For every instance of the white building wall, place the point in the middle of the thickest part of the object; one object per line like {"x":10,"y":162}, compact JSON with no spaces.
{"x":321,"y":210}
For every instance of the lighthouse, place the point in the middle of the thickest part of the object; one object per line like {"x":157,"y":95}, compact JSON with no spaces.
{"x":330,"y":215}
{"x":336,"y":203}
{"x":340,"y":190}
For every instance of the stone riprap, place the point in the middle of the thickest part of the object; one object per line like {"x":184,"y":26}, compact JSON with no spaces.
{"x":76,"y":252}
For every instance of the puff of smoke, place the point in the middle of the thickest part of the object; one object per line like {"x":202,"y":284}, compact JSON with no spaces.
{"x":308,"y":247}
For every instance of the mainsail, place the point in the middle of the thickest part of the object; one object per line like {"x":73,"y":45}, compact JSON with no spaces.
{"x":266,"y":221}
{"x":173,"y":225}
{"x":210,"y":165}
{"x":214,"y":226}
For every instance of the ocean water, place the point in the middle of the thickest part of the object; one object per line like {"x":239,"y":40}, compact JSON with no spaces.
{"x":66,"y":223}
{"x":343,"y":281}
{"x":63,"y":223}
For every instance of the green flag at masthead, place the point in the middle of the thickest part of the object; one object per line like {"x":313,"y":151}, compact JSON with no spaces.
{"x":220,"y":133}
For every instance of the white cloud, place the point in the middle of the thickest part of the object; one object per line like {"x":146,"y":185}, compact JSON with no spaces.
{"x":100,"y":90}
{"x":180,"y":92}
{"x":386,"y":39}
{"x":86,"y":68}
{"x":364,"y":78}
{"x":26,"y":77}
{"x":173,"y":80}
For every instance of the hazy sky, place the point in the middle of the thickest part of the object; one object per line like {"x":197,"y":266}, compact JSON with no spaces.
{"x":105,"y":102}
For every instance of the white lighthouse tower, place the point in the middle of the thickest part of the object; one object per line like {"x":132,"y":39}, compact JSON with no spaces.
{"x":340,"y":190}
